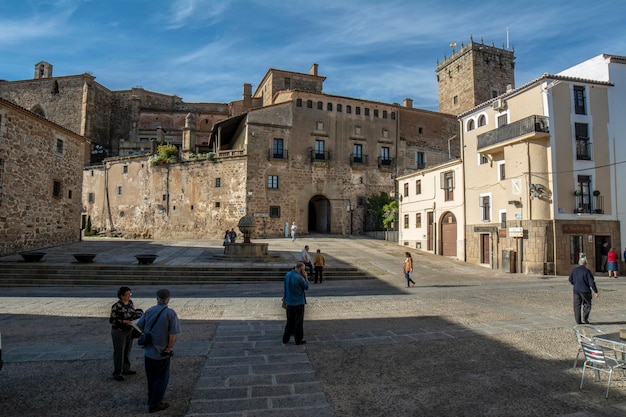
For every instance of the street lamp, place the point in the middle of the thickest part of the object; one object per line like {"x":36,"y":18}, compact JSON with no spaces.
{"x":350,"y":208}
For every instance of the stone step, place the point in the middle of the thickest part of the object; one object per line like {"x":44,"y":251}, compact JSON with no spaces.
{"x":27,"y":274}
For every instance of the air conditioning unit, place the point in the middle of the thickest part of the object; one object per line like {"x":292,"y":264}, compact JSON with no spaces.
{"x":499,"y":104}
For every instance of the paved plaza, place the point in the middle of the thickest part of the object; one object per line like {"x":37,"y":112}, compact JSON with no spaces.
{"x":465,"y":341}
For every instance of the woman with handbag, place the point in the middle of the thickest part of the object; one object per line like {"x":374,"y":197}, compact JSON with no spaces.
{"x":122,"y":313}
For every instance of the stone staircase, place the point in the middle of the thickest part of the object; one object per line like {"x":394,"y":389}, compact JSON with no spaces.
{"x":39,"y":274}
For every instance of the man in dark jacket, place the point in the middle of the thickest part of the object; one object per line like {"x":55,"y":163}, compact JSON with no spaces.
{"x":582,"y":280}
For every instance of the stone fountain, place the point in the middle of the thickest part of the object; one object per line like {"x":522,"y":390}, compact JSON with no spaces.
{"x":247,"y":249}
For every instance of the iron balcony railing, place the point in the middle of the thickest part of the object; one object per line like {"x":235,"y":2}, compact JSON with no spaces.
{"x":531,"y":124}
{"x":386,"y":162}
{"x":589,"y":204}
{"x":320,"y":156}
{"x":277,"y":154}
{"x":358,"y":159}
{"x":583,"y":149}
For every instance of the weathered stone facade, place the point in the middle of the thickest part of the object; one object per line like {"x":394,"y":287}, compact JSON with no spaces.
{"x":473,"y":75}
{"x":40,"y":181}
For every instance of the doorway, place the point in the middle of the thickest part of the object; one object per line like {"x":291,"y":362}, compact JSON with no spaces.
{"x":448,"y":235}
{"x":598,"y":244}
{"x":485,"y":249}
{"x":319,"y":214}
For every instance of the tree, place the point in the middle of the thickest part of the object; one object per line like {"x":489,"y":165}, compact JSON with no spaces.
{"x":375,"y":209}
{"x":390,"y":212}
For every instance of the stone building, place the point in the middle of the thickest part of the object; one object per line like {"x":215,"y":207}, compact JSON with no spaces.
{"x":297,"y":154}
{"x":121,"y":122}
{"x":474,"y":74}
{"x":41,"y":167}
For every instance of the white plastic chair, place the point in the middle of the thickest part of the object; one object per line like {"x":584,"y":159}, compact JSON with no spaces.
{"x":597,"y":360}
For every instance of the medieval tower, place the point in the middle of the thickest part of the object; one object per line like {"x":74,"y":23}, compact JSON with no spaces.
{"x":473,"y":74}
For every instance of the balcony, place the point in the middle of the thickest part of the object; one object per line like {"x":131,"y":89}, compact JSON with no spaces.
{"x":583,"y":149}
{"x":589,"y":204}
{"x":528,"y":128}
{"x":319,"y":156}
{"x":386,"y":162}
{"x":277,"y":154}
{"x":358,"y":159}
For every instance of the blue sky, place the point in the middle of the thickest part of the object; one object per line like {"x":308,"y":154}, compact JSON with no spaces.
{"x":204,"y":50}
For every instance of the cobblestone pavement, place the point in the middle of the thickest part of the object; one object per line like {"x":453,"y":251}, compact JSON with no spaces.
{"x":465,"y":341}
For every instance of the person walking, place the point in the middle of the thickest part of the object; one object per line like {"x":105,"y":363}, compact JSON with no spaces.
{"x":407,"y":268}
{"x":232,"y":235}
{"x":122,"y":313}
{"x":319,"y":262}
{"x":583,"y":284}
{"x":294,"y":297}
{"x":226,"y":237}
{"x":611,"y":264}
{"x":161,"y":322}
{"x":305,"y":258}
{"x":293,"y":231}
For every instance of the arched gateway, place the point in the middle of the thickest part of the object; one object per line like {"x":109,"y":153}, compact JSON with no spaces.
{"x":448,"y":234}
{"x":319,"y":214}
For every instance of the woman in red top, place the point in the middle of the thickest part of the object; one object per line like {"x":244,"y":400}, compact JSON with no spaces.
{"x":611,"y":263}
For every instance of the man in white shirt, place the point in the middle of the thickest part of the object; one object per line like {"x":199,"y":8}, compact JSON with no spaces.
{"x":305,"y":258}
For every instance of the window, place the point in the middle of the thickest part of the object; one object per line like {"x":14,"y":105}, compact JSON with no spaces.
{"x":287,"y":83}
{"x":482,"y":159}
{"x":447,"y":184}
{"x":384,"y":156}
{"x":384,"y":114}
{"x":419,"y":160}
{"x":309,"y":104}
{"x":375,"y":112}
{"x":69,"y":194}
{"x":348,"y":109}
{"x":502,"y":120}
{"x":418,"y":187}
{"x":125,"y":169}
{"x":329,"y":106}
{"x":358,"y":110}
{"x":579,"y":100}
{"x":455,"y":100}
{"x":406,"y":221}
{"x":56,"y":189}
{"x":406,"y":189}
{"x":339,"y":108}
{"x":393,"y":115}
{"x":299,"y":102}
{"x":485,"y":205}
{"x":575,"y":248}
{"x":357,"y":155}
{"x":277,"y":148}
{"x":583,"y":191}
{"x":320,"y":149}
{"x":418,"y":220}
{"x":501,"y":171}
{"x":320,"y":105}
{"x":503,"y":219}
{"x":119,"y":190}
{"x":494,"y":93}
{"x":482,"y":120}
{"x":583,"y":145}
{"x":218,"y":182}
{"x":272,"y":181}
{"x":470,"y":125}
{"x":59,"y":146}
{"x":274,"y":211}
{"x":217,"y":204}
{"x":420,"y":130}
{"x":91,"y":198}
{"x":367,"y":111}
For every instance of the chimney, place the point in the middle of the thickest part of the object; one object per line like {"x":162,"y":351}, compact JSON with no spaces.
{"x":408,"y":103}
{"x":313,"y":69}
{"x":509,"y":87}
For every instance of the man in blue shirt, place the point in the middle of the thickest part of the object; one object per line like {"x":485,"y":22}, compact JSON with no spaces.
{"x":161,"y":322}
{"x":296,"y":283}
{"x":582,"y":280}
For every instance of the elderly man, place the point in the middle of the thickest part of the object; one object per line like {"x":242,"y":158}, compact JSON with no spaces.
{"x":296,"y":283}
{"x":582,"y":280}
{"x":161,"y":322}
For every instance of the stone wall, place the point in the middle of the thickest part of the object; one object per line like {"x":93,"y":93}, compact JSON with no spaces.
{"x":34,"y":155}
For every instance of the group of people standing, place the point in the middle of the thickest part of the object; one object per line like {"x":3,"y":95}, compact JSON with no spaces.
{"x":161,"y":323}
{"x":230,"y":236}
